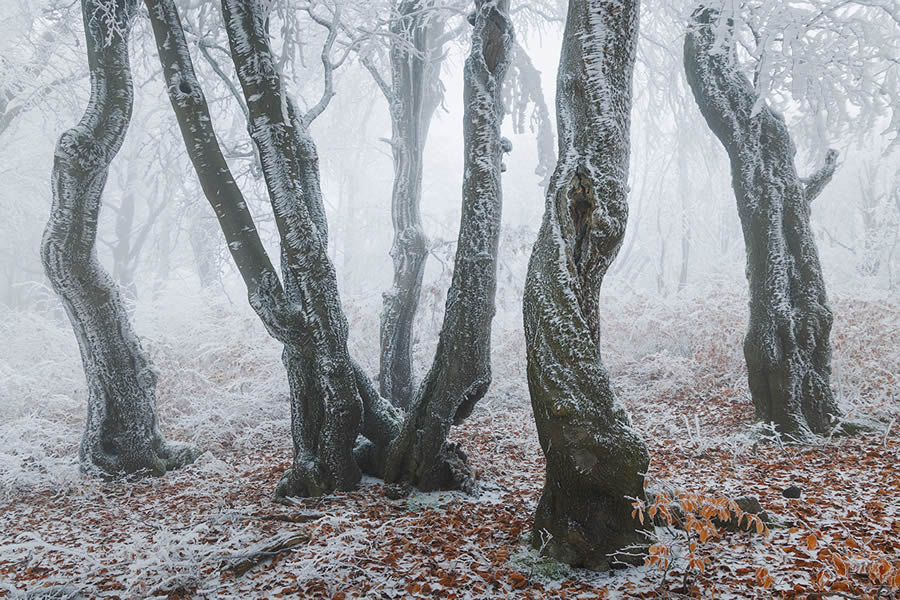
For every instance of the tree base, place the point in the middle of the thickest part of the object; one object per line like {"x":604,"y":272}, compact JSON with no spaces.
{"x":588,"y":531}
{"x":449,"y":470}
{"x":307,"y":478}
{"x":158,"y":459}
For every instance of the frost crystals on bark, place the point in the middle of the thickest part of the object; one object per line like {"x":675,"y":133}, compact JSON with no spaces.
{"x":122,"y":432}
{"x":461,"y":371}
{"x":595,"y":459}
{"x":787,"y":347}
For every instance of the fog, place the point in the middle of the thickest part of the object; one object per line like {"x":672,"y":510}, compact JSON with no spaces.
{"x":679,"y":174}
{"x":673,"y":310}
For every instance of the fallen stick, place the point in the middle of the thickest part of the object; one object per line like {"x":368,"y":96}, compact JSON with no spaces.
{"x":241,"y":563}
{"x":287,"y":517}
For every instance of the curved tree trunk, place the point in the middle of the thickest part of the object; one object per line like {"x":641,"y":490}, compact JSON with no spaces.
{"x":332,"y":398}
{"x":412,"y":100}
{"x":461,"y":371}
{"x":304,"y":313}
{"x":594,"y":456}
{"x":122,"y":432}
{"x":787,"y":346}
{"x":325,"y":407}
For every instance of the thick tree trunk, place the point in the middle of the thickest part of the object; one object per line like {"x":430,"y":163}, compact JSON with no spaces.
{"x":595,"y":459}
{"x":461,"y":371}
{"x":787,"y":346}
{"x":122,"y":432}
{"x":412,"y":102}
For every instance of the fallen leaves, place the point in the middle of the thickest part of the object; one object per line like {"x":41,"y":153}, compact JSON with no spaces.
{"x":171,"y":537}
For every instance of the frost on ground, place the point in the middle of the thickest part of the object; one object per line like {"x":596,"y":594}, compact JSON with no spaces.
{"x":677,"y":364}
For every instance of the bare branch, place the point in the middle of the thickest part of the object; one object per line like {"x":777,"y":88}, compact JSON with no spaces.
{"x":815,"y":183}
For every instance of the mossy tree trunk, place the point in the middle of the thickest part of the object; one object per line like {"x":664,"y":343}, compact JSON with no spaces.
{"x":122,"y":432}
{"x":595,"y":459}
{"x":787,"y":346}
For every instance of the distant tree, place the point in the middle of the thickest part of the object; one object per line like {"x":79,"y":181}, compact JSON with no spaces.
{"x":413,"y":92}
{"x":122,"y":432}
{"x":787,"y":346}
{"x":594,"y":456}
{"x":408,"y":73}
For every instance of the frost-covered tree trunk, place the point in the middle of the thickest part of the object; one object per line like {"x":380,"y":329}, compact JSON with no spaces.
{"x":594,"y":456}
{"x":325,"y":406}
{"x":412,"y":99}
{"x":122,"y":432}
{"x":304,"y":313}
{"x":461,"y":371}
{"x":787,"y":346}
{"x":332,"y":399}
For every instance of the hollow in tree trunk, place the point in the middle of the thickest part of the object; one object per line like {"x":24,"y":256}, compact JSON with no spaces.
{"x":787,"y":346}
{"x":595,"y":459}
{"x":122,"y":432}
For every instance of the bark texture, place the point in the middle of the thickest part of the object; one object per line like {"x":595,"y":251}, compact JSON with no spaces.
{"x":412,"y":97}
{"x":461,"y":371}
{"x":122,"y":432}
{"x":595,"y":459}
{"x":325,"y":406}
{"x":332,"y":399}
{"x":301,"y":309}
{"x":787,"y":346}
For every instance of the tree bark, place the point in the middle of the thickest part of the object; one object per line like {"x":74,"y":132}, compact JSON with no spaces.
{"x":787,"y":346}
{"x":325,"y":406}
{"x":122,"y":432}
{"x":412,"y":99}
{"x":304,"y":312}
{"x":461,"y":371}
{"x":595,"y":459}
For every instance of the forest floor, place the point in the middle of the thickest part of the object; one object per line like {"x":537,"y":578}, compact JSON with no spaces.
{"x":678,"y":368}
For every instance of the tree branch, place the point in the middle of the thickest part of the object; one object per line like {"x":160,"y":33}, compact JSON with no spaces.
{"x":815,"y":183}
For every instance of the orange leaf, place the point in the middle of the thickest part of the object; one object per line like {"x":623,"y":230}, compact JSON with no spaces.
{"x":839,"y":565}
{"x":811,"y":541}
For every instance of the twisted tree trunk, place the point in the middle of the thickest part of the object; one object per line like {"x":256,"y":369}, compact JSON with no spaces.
{"x":787,"y":345}
{"x":412,"y":100}
{"x":594,"y":456}
{"x":461,"y":371}
{"x":122,"y":431}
